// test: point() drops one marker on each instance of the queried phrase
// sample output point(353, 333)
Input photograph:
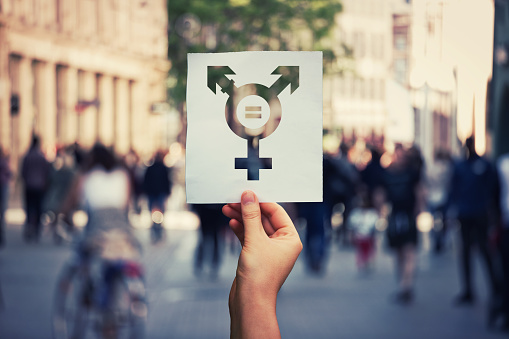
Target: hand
point(270, 247)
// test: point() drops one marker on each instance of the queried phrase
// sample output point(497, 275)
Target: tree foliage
point(198, 26)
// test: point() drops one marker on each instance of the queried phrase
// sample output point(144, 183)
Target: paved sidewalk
point(341, 304)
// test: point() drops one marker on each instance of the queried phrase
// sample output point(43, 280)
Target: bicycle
point(101, 296)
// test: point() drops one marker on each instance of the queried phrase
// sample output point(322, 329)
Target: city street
point(341, 304)
point(393, 113)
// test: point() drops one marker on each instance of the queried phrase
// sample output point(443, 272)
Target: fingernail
point(247, 198)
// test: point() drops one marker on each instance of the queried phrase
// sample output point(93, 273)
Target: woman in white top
point(103, 189)
point(105, 269)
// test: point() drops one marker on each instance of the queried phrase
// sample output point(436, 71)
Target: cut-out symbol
point(253, 111)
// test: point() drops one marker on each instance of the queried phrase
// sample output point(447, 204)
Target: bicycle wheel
point(126, 314)
point(72, 305)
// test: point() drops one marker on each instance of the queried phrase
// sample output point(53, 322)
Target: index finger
point(277, 216)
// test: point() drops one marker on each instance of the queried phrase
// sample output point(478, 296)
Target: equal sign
point(253, 109)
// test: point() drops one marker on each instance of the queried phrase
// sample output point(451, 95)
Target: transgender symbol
point(253, 111)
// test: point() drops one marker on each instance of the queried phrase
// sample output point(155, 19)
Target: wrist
point(253, 318)
point(256, 293)
point(253, 313)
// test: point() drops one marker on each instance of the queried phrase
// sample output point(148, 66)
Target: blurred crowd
point(369, 192)
point(51, 189)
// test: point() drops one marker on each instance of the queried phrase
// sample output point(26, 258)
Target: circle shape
point(253, 111)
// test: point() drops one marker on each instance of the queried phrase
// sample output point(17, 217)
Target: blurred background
point(406, 84)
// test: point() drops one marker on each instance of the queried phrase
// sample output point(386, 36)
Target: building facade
point(418, 74)
point(432, 79)
point(450, 71)
point(354, 99)
point(82, 71)
point(499, 94)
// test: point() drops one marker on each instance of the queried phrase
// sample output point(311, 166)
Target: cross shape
point(253, 163)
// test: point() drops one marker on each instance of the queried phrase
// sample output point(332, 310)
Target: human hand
point(270, 247)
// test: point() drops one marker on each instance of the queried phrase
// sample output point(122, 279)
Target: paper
point(254, 121)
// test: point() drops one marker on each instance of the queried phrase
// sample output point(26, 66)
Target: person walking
point(62, 177)
point(315, 237)
point(402, 190)
point(157, 187)
point(212, 224)
point(473, 188)
point(5, 176)
point(35, 172)
point(503, 241)
point(136, 172)
point(372, 175)
point(438, 182)
point(340, 182)
point(362, 223)
point(503, 245)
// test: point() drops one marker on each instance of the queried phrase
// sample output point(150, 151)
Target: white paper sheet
point(256, 97)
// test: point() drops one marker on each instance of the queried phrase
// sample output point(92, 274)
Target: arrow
point(289, 76)
point(217, 75)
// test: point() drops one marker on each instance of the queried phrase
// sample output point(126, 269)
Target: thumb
point(251, 215)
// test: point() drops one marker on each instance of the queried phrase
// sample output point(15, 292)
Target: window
point(359, 44)
point(349, 86)
point(400, 42)
point(377, 44)
point(362, 88)
point(357, 87)
point(81, 87)
point(14, 61)
point(381, 93)
point(341, 86)
point(400, 70)
point(371, 89)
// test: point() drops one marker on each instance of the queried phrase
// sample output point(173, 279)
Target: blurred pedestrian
point(315, 241)
point(503, 174)
point(372, 175)
point(35, 172)
point(472, 196)
point(212, 224)
point(362, 222)
point(415, 160)
point(132, 163)
point(157, 186)
point(402, 190)
point(103, 188)
point(438, 182)
point(79, 155)
point(5, 176)
point(340, 181)
point(62, 176)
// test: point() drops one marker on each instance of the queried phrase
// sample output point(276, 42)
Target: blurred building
point(355, 97)
point(499, 101)
point(450, 71)
point(432, 81)
point(82, 71)
point(401, 42)
point(400, 123)
point(419, 73)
